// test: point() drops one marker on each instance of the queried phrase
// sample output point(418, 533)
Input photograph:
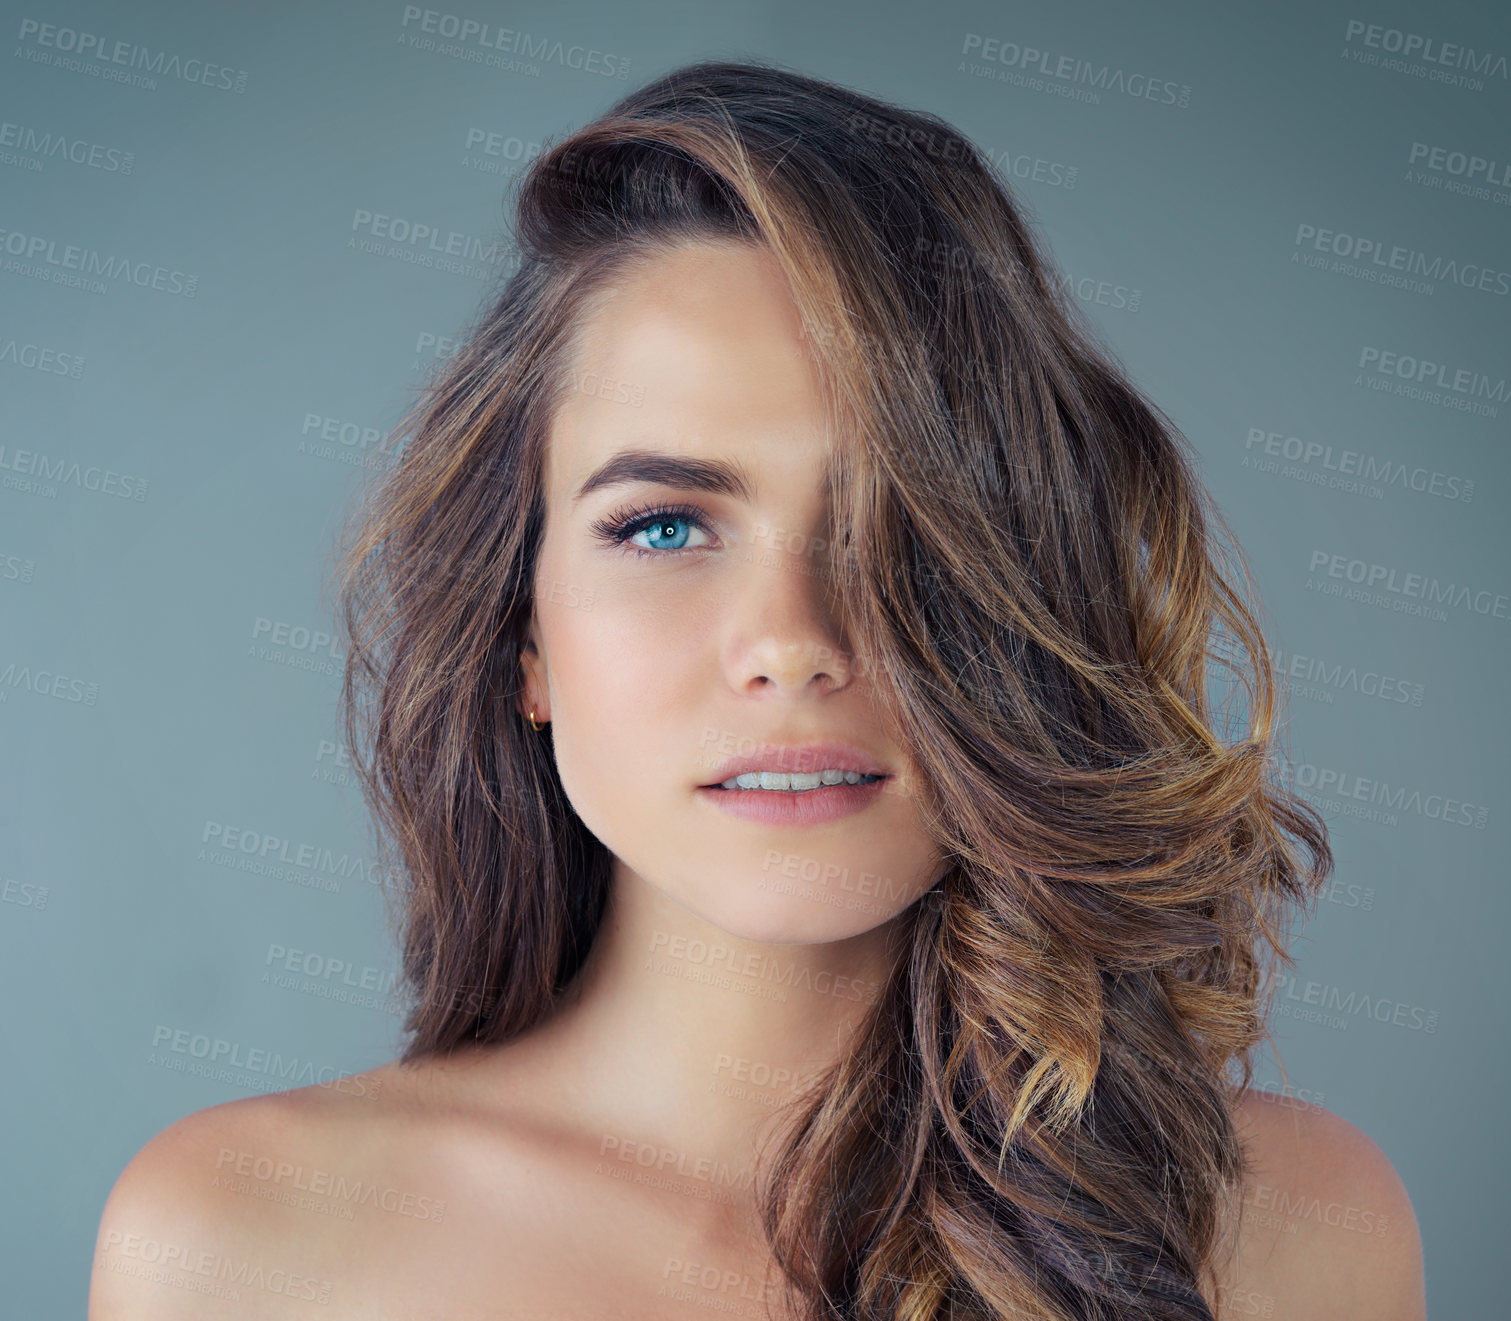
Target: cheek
point(623, 666)
point(624, 702)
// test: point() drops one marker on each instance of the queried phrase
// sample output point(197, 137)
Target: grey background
point(145, 706)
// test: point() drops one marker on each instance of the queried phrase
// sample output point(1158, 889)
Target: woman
point(779, 659)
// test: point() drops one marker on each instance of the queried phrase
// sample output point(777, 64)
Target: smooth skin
point(599, 1165)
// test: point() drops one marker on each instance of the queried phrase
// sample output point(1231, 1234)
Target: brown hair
point(1037, 1118)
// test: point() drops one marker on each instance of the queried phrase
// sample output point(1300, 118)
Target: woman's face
point(664, 646)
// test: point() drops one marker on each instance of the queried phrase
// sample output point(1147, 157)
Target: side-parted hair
point(1037, 1117)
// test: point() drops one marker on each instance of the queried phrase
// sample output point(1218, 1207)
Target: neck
point(679, 1042)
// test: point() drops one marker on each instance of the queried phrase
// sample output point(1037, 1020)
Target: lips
point(806, 758)
point(785, 811)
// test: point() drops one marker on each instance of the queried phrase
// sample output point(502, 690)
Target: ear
point(533, 687)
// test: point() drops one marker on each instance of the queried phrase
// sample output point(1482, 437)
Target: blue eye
point(662, 523)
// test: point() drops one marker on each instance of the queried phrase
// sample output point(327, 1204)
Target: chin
point(769, 917)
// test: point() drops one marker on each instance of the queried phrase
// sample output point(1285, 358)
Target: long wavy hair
point(1037, 1117)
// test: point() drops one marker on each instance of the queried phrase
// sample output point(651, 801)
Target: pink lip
point(807, 758)
point(810, 807)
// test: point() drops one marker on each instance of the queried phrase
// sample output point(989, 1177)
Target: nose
point(788, 637)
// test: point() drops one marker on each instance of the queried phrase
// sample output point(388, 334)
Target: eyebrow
point(718, 476)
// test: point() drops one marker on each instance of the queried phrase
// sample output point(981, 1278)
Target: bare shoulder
point(245, 1208)
point(1326, 1228)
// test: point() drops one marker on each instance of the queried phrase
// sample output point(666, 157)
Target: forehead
point(699, 352)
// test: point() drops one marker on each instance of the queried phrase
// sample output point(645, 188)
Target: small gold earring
point(533, 725)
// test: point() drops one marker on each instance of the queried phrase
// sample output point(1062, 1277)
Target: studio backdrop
point(234, 240)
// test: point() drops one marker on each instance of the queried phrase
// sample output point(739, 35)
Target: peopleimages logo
point(1302, 673)
point(41, 257)
point(693, 953)
point(1386, 578)
point(421, 243)
point(1069, 70)
point(1355, 463)
point(327, 1184)
point(476, 40)
point(449, 243)
point(278, 854)
point(1375, 258)
point(180, 1049)
point(174, 1264)
point(1461, 164)
point(45, 145)
point(1429, 50)
point(1293, 994)
point(88, 52)
point(70, 472)
point(41, 358)
point(1387, 803)
point(1459, 388)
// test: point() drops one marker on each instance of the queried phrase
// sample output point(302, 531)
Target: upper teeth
point(794, 780)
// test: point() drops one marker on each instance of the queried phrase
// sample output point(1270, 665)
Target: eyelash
point(617, 529)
